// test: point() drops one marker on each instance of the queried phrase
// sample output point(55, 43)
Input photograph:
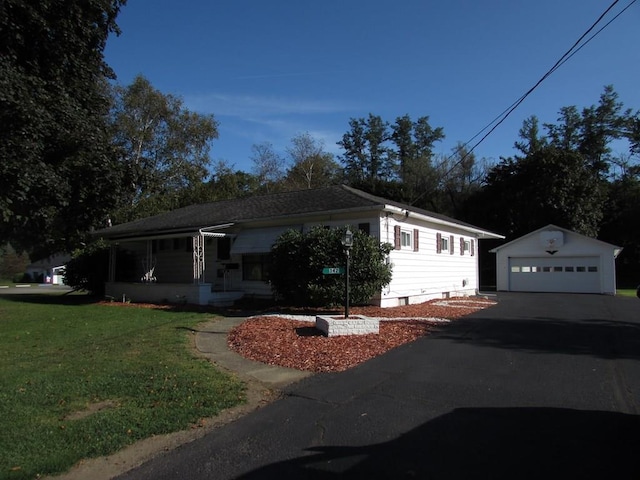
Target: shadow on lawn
point(66, 298)
point(244, 308)
point(496, 443)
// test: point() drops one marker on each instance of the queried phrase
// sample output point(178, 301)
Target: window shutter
point(396, 237)
point(472, 248)
point(438, 243)
point(416, 240)
point(451, 249)
point(461, 245)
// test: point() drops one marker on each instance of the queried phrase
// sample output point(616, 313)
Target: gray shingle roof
point(193, 217)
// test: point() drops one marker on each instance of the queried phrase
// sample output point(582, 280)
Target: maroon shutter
point(472, 249)
point(438, 243)
point(396, 237)
point(461, 245)
point(451, 249)
point(416, 240)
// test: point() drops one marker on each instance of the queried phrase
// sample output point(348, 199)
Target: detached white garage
point(554, 259)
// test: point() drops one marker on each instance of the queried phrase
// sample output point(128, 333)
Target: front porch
point(172, 268)
point(171, 293)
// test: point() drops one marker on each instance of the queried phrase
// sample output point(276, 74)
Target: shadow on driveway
point(487, 443)
point(597, 325)
point(600, 338)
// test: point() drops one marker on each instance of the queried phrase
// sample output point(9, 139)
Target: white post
point(198, 259)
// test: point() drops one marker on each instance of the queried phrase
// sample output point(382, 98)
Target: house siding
point(427, 273)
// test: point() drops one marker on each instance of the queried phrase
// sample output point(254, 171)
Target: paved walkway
point(211, 342)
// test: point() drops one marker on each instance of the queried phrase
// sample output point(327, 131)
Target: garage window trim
point(553, 269)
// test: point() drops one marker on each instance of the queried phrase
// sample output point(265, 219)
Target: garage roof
point(616, 249)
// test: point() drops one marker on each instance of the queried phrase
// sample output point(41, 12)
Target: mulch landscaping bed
point(297, 344)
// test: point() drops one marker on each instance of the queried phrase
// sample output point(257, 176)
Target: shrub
point(298, 259)
point(88, 268)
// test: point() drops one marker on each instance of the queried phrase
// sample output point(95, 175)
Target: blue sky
point(271, 70)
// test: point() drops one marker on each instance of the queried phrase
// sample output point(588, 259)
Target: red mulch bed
point(297, 344)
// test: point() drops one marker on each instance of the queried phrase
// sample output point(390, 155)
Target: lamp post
point(347, 242)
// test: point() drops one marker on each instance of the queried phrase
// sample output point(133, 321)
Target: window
point(444, 244)
point(224, 248)
point(255, 267)
point(365, 227)
point(592, 269)
point(466, 246)
point(581, 269)
point(405, 239)
point(515, 269)
point(568, 269)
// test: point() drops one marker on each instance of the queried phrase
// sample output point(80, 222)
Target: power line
point(497, 121)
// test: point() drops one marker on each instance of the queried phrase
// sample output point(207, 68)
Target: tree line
point(80, 151)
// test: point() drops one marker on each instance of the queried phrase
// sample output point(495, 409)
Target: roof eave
point(481, 233)
point(165, 233)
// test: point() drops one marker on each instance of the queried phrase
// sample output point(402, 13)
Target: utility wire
point(497, 121)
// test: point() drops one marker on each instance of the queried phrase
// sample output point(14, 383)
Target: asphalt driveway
point(538, 386)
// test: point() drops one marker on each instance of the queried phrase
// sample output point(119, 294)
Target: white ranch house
point(218, 252)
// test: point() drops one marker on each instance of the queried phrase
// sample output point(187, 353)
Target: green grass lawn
point(626, 292)
point(61, 354)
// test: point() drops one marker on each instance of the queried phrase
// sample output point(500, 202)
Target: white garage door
point(550, 274)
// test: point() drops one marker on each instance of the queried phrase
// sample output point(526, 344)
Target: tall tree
point(228, 183)
point(515, 201)
point(367, 157)
point(268, 166)
point(414, 154)
point(163, 147)
point(620, 225)
point(460, 176)
point(531, 139)
point(591, 131)
point(311, 166)
point(58, 178)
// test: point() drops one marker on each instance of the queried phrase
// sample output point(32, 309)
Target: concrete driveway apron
point(538, 386)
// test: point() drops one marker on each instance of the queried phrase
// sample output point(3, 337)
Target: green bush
point(23, 278)
point(88, 268)
point(12, 263)
point(298, 259)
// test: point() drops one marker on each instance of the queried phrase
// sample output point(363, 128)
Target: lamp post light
point(347, 242)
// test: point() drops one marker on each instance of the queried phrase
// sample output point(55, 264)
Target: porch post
point(112, 262)
point(198, 259)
